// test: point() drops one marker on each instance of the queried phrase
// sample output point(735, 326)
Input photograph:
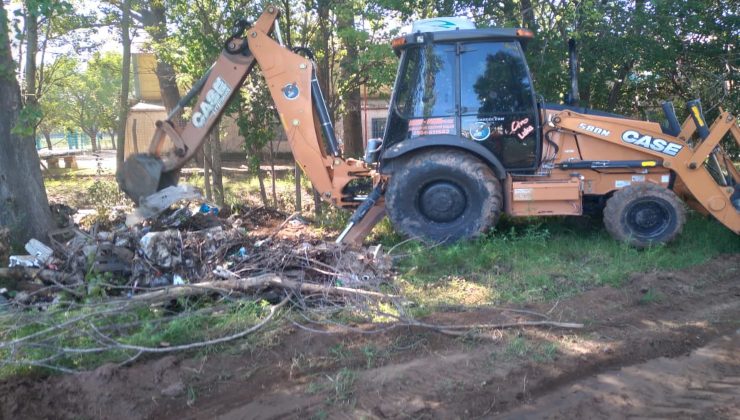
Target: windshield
point(426, 87)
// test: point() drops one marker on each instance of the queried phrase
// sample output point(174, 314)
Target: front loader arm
point(289, 78)
point(686, 161)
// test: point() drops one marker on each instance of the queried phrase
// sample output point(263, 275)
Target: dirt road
point(663, 345)
point(703, 385)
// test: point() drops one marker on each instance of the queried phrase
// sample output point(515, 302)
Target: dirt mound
point(646, 331)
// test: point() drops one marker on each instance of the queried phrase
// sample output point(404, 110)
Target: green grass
point(545, 259)
point(145, 326)
point(338, 387)
point(522, 348)
point(649, 297)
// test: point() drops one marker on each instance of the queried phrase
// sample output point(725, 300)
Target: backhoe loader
point(466, 139)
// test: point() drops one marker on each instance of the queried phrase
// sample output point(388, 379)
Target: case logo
point(215, 100)
point(651, 143)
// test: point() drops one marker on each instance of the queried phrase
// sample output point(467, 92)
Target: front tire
point(644, 215)
point(443, 195)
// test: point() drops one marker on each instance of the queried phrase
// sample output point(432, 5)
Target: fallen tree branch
point(118, 345)
point(251, 283)
point(501, 325)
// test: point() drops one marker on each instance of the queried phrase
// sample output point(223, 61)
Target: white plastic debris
point(23, 261)
point(40, 251)
point(177, 280)
point(161, 201)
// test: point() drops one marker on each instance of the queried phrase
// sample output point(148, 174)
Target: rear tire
point(644, 214)
point(443, 196)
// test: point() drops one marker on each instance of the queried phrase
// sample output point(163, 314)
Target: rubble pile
point(188, 243)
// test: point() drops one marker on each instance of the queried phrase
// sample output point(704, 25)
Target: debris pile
point(181, 240)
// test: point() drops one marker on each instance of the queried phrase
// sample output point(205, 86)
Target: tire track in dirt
point(704, 384)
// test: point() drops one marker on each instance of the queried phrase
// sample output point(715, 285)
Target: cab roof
point(485, 34)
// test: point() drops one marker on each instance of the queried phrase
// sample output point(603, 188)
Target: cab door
point(497, 102)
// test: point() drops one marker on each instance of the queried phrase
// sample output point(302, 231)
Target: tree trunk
point(168, 89)
point(272, 173)
point(207, 168)
point(298, 193)
point(125, 79)
point(617, 87)
point(93, 134)
point(527, 11)
point(31, 22)
point(47, 136)
point(352, 125)
point(218, 180)
point(24, 207)
point(317, 203)
point(324, 67)
point(154, 19)
point(574, 97)
point(263, 190)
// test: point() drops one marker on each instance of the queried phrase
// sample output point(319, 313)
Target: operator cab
point(459, 83)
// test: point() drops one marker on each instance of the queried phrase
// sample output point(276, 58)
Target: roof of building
point(145, 107)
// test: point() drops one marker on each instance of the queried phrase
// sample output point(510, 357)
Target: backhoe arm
point(298, 100)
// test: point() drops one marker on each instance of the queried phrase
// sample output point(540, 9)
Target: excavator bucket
point(140, 176)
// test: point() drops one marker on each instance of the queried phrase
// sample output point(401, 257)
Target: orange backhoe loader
point(466, 138)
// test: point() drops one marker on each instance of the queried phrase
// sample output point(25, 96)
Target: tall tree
point(24, 207)
point(352, 122)
point(153, 16)
point(93, 93)
point(125, 81)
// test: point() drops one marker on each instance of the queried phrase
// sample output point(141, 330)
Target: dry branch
point(141, 349)
point(236, 283)
point(47, 276)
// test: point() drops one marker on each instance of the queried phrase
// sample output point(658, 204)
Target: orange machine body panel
point(547, 197)
point(656, 157)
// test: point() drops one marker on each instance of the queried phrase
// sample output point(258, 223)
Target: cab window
point(494, 79)
point(427, 86)
point(497, 106)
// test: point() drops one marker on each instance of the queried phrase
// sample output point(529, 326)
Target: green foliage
point(28, 118)
point(553, 259)
point(81, 98)
point(256, 118)
point(55, 95)
point(104, 194)
point(92, 95)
